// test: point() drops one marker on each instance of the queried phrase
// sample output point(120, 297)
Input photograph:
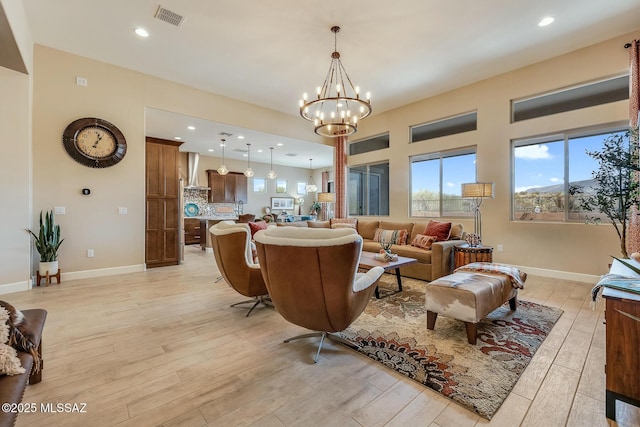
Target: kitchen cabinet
point(229, 188)
point(192, 231)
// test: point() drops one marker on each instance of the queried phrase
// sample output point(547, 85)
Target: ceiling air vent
point(291, 154)
point(169, 17)
point(240, 150)
point(226, 134)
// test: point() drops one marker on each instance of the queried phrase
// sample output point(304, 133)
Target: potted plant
point(616, 182)
point(314, 209)
point(47, 243)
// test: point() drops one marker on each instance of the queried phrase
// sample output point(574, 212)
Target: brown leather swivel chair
point(232, 252)
point(312, 278)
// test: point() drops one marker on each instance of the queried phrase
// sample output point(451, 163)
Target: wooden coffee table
point(367, 261)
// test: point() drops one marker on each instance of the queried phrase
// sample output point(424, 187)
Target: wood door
point(162, 241)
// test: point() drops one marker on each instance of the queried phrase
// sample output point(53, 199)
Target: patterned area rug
point(393, 331)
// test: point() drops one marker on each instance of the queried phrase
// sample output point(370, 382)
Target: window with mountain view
point(551, 176)
point(436, 180)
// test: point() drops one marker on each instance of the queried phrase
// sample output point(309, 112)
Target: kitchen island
point(207, 222)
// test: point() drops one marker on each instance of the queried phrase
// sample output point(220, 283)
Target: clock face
point(94, 142)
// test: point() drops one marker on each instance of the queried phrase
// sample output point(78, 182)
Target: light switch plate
point(59, 210)
point(122, 211)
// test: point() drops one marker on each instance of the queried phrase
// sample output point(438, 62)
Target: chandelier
point(338, 106)
point(311, 185)
point(222, 170)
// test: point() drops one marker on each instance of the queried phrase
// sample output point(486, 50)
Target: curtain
point(633, 234)
point(340, 178)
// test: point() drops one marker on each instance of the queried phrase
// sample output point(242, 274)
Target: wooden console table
point(622, 369)
point(465, 254)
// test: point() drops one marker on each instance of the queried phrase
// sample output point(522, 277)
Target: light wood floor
point(163, 347)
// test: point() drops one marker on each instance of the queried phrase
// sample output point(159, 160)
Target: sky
point(456, 171)
point(542, 165)
point(537, 165)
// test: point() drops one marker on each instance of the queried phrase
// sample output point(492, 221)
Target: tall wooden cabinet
point(622, 368)
point(229, 188)
point(162, 241)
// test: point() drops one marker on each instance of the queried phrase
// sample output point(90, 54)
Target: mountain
point(588, 187)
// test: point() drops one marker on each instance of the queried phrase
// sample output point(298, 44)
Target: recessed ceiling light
point(191, 127)
point(210, 150)
point(142, 32)
point(240, 137)
point(245, 155)
point(546, 21)
point(279, 144)
point(259, 151)
point(177, 137)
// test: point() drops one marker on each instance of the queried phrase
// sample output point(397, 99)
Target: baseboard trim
point(557, 274)
point(10, 288)
point(111, 271)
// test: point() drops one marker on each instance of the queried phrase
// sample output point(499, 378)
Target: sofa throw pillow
point(439, 229)
point(257, 226)
point(423, 241)
point(343, 222)
point(395, 237)
point(20, 336)
point(9, 361)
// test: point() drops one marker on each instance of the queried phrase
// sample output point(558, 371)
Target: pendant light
point(272, 173)
point(249, 172)
point(311, 185)
point(222, 170)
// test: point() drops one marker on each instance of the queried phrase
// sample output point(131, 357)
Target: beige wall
point(119, 96)
point(15, 176)
point(563, 247)
point(15, 163)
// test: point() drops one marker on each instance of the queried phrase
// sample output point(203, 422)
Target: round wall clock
point(94, 142)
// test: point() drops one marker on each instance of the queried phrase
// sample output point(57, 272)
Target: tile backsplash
point(220, 210)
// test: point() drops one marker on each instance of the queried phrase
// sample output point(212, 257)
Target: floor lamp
point(325, 200)
point(477, 191)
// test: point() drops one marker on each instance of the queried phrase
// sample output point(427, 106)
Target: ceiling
point(269, 52)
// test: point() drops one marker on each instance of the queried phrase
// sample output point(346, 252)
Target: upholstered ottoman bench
point(471, 292)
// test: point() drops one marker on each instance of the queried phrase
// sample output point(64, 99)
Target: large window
point(553, 173)
point(436, 180)
point(368, 189)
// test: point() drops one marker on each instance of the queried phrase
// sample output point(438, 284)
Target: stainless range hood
point(194, 159)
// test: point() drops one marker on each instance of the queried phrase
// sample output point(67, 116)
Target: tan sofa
point(432, 264)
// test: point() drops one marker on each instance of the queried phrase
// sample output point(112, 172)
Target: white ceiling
point(269, 52)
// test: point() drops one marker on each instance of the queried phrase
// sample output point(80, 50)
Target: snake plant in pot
point(47, 243)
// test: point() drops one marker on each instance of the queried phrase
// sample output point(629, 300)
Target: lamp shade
point(326, 197)
point(477, 189)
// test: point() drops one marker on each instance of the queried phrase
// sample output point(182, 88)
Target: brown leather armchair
point(232, 252)
point(312, 278)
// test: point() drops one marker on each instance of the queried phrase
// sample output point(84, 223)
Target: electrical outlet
point(500, 248)
point(122, 211)
point(59, 210)
point(81, 81)
point(89, 253)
